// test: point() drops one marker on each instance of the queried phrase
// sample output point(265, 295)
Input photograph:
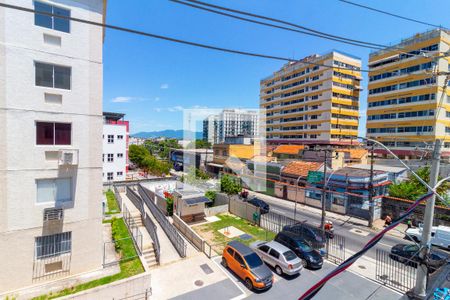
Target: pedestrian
point(409, 223)
point(387, 220)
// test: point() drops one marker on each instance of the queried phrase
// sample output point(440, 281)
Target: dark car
point(263, 206)
point(310, 257)
point(309, 233)
point(408, 254)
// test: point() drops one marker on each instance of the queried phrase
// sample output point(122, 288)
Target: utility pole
point(419, 291)
point(322, 222)
point(371, 190)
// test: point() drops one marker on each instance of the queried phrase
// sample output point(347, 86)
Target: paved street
point(346, 286)
point(356, 236)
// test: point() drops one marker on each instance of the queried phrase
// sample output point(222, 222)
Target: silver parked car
point(283, 259)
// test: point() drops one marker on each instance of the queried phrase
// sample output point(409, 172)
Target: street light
point(296, 192)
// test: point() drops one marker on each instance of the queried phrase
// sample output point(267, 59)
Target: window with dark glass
point(53, 76)
point(49, 133)
point(53, 245)
point(52, 22)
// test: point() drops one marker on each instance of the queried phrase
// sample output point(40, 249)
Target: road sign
point(315, 176)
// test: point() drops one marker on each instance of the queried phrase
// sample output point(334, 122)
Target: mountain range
point(174, 134)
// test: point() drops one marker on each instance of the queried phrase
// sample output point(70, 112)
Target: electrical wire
point(320, 35)
point(348, 262)
point(313, 32)
point(392, 14)
point(175, 40)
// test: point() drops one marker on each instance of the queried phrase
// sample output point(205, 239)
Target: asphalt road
point(356, 236)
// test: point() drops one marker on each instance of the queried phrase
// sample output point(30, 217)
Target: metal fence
point(394, 271)
point(168, 228)
point(110, 256)
point(145, 295)
point(118, 197)
point(133, 229)
point(151, 228)
point(334, 247)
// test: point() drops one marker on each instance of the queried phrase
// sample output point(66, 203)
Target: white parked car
point(280, 257)
point(440, 235)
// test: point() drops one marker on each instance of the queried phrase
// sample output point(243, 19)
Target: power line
point(320, 35)
point(312, 32)
point(391, 14)
point(175, 40)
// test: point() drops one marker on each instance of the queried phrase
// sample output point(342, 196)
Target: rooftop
point(288, 149)
point(356, 172)
point(354, 153)
point(381, 168)
point(113, 116)
point(301, 168)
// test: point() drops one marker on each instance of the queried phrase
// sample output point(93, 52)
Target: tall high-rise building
point(230, 123)
point(51, 78)
point(404, 94)
point(309, 103)
point(116, 131)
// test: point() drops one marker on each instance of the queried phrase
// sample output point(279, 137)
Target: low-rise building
point(288, 151)
point(347, 191)
point(115, 146)
point(185, 158)
point(228, 155)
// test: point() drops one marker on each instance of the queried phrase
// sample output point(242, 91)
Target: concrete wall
point(22, 162)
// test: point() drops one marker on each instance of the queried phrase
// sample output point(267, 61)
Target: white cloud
point(157, 99)
point(164, 86)
point(157, 109)
point(175, 108)
point(122, 99)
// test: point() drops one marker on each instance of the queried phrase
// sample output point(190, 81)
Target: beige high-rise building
point(51, 78)
point(404, 94)
point(306, 103)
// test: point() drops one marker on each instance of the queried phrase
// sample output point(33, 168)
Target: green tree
point(137, 154)
point(412, 188)
point(230, 185)
point(211, 195)
point(199, 144)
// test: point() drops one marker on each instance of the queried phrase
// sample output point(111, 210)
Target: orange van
point(247, 265)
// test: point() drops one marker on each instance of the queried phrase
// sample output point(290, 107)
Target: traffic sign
point(314, 176)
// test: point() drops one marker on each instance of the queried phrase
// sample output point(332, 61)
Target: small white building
point(115, 147)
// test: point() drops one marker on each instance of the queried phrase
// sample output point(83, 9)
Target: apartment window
point(110, 138)
point(103, 157)
point(51, 22)
point(54, 190)
point(49, 133)
point(110, 157)
point(119, 173)
point(313, 136)
point(52, 76)
point(109, 176)
point(120, 137)
point(53, 245)
point(119, 155)
point(447, 114)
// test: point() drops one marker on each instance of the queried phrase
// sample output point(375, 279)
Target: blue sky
point(151, 81)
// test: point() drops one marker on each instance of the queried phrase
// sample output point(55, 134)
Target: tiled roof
point(354, 153)
point(261, 158)
point(288, 149)
point(301, 168)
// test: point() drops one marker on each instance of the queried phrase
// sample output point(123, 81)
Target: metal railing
point(151, 228)
point(188, 232)
point(136, 200)
point(395, 271)
point(334, 247)
point(118, 197)
point(110, 247)
point(133, 229)
point(51, 267)
point(169, 229)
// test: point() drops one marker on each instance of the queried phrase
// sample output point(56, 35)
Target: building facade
point(115, 146)
point(230, 123)
point(404, 94)
point(50, 163)
point(305, 102)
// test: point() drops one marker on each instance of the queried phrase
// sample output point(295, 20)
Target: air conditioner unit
point(53, 214)
point(68, 157)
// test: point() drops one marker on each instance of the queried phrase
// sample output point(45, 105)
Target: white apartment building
point(115, 147)
point(230, 123)
point(51, 75)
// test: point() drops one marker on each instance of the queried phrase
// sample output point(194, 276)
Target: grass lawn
point(111, 203)
point(129, 266)
point(218, 240)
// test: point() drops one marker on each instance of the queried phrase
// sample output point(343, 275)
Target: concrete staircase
point(150, 256)
point(149, 251)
